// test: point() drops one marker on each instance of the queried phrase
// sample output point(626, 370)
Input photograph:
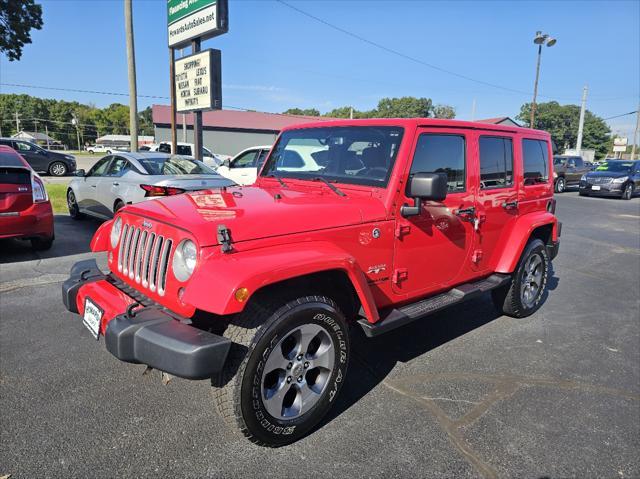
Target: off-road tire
point(628, 192)
point(41, 244)
point(255, 332)
point(560, 185)
point(58, 168)
point(508, 299)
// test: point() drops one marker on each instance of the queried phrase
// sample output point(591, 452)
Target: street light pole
point(540, 39)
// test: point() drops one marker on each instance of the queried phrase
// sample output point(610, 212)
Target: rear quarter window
point(535, 161)
point(10, 159)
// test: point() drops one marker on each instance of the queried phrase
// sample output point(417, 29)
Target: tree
point(302, 112)
point(444, 111)
point(17, 18)
point(405, 107)
point(561, 121)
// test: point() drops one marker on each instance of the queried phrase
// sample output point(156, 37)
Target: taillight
point(153, 190)
point(38, 191)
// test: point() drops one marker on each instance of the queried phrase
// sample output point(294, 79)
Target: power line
point(623, 114)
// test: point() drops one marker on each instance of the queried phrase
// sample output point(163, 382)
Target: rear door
point(112, 186)
point(38, 161)
point(536, 189)
point(497, 198)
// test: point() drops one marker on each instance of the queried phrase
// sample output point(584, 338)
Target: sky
point(275, 57)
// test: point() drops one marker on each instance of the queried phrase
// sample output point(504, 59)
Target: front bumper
point(150, 334)
point(606, 189)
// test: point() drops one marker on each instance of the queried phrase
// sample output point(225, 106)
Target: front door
point(497, 199)
point(39, 161)
point(432, 249)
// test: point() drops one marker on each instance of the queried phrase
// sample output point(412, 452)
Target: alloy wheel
point(297, 371)
point(58, 169)
point(531, 286)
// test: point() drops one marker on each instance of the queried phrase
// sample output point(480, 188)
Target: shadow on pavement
point(72, 237)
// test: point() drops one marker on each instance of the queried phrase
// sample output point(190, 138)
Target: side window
point(184, 150)
point(496, 162)
point(246, 160)
point(21, 146)
point(100, 167)
point(119, 166)
point(164, 148)
point(261, 157)
point(579, 163)
point(571, 163)
point(441, 154)
point(535, 161)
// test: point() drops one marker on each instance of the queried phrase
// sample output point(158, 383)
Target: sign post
point(195, 79)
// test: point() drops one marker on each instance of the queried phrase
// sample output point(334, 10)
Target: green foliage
point(58, 197)
point(561, 121)
point(302, 112)
point(405, 107)
point(17, 18)
point(35, 113)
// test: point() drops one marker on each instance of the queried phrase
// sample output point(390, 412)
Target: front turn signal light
point(241, 294)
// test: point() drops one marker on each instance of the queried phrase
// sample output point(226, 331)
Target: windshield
point(615, 166)
point(174, 165)
point(361, 155)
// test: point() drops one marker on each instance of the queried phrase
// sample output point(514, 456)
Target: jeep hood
point(254, 212)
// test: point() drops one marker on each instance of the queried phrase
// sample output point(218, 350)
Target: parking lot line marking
point(26, 282)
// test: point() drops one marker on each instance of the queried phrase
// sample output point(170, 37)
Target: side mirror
point(424, 187)
point(227, 163)
point(80, 173)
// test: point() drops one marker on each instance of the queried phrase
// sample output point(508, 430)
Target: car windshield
point(615, 166)
point(174, 165)
point(353, 154)
point(559, 160)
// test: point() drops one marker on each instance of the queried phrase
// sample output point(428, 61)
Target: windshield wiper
point(282, 183)
point(334, 188)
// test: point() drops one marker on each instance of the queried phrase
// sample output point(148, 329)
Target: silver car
point(124, 178)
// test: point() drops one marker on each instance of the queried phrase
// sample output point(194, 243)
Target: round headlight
point(184, 260)
point(116, 229)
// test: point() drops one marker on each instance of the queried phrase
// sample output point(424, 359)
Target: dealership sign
point(198, 82)
point(189, 19)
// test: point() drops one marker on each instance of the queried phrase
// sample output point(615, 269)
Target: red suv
point(25, 209)
point(367, 224)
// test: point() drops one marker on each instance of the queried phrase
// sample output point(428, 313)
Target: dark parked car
point(612, 178)
point(41, 160)
point(567, 171)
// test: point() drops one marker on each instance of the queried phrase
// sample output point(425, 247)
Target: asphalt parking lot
point(464, 393)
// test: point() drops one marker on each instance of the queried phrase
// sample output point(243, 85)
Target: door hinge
point(224, 238)
point(402, 230)
point(400, 275)
point(476, 257)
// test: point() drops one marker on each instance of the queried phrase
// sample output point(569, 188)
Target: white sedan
point(243, 168)
point(124, 178)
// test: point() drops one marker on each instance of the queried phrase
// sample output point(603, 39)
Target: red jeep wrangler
point(359, 223)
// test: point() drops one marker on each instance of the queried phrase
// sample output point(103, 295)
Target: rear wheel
point(560, 185)
point(627, 193)
point(41, 244)
point(524, 295)
point(58, 168)
point(286, 366)
point(72, 205)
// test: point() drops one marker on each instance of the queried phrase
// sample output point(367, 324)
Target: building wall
point(223, 142)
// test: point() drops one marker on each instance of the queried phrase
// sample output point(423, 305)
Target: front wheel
point(285, 369)
point(528, 285)
point(627, 193)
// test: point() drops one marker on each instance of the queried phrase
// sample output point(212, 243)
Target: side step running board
point(396, 317)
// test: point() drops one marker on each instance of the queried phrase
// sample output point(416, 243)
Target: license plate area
point(595, 188)
point(92, 317)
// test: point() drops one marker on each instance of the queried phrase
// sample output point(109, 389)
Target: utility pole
point(46, 130)
point(17, 122)
point(635, 134)
point(473, 110)
point(184, 128)
point(131, 63)
point(351, 113)
point(35, 122)
point(540, 39)
point(75, 123)
point(581, 123)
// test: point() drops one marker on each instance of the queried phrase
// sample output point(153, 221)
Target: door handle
point(115, 183)
point(464, 212)
point(510, 205)
point(93, 186)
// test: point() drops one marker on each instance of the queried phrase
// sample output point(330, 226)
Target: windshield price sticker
point(197, 82)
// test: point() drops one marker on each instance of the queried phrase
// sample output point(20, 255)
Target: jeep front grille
point(143, 256)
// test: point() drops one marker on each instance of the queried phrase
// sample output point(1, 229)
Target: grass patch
point(58, 197)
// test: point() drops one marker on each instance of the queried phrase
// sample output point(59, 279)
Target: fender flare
point(213, 285)
point(516, 240)
point(100, 240)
